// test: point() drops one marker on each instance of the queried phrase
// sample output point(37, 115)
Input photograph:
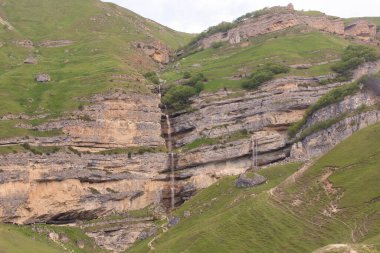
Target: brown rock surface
point(156, 50)
point(362, 29)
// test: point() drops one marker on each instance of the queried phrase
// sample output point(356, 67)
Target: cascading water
point(171, 157)
point(170, 152)
point(254, 144)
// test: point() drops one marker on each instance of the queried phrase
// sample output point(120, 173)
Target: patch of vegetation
point(177, 97)
point(40, 150)
point(14, 149)
point(217, 45)
point(332, 97)
point(94, 191)
point(134, 150)
point(264, 74)
point(243, 134)
point(34, 242)
point(152, 77)
point(353, 57)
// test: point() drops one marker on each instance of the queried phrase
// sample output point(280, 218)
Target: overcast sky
point(197, 15)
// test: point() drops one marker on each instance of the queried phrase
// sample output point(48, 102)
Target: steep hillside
point(332, 201)
point(105, 127)
point(87, 47)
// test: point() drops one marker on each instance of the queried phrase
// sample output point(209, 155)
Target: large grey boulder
point(43, 78)
point(245, 182)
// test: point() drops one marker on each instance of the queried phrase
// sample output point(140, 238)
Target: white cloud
point(197, 15)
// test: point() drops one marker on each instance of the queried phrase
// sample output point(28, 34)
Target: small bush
point(217, 45)
point(186, 75)
point(353, 57)
point(200, 77)
point(177, 97)
point(94, 191)
point(264, 74)
point(152, 77)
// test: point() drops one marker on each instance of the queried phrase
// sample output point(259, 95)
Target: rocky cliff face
point(69, 185)
point(268, 23)
point(263, 115)
point(358, 111)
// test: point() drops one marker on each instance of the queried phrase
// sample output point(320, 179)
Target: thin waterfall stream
point(170, 152)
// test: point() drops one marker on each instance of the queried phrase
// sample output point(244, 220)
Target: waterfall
point(170, 152)
point(171, 157)
point(254, 144)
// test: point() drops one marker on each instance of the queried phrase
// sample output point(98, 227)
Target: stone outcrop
point(43, 78)
point(244, 181)
point(119, 235)
point(55, 43)
point(362, 29)
point(25, 43)
point(156, 50)
point(31, 60)
point(283, 18)
point(6, 24)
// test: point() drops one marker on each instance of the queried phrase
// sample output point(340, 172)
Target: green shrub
point(177, 97)
point(217, 45)
point(186, 75)
point(353, 57)
point(276, 68)
point(200, 77)
point(264, 74)
point(152, 77)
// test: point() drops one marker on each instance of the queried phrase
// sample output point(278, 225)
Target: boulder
point(43, 78)
point(53, 236)
point(80, 244)
point(30, 60)
point(186, 214)
point(245, 182)
point(63, 238)
point(173, 221)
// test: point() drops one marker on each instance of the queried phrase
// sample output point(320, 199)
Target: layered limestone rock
point(322, 141)
point(353, 120)
point(119, 120)
point(68, 185)
point(263, 116)
point(64, 187)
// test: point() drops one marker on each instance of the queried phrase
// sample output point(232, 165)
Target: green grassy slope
point(288, 47)
point(22, 239)
point(103, 35)
point(298, 217)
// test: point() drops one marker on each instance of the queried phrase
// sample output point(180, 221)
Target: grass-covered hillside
point(102, 37)
point(335, 201)
point(290, 47)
